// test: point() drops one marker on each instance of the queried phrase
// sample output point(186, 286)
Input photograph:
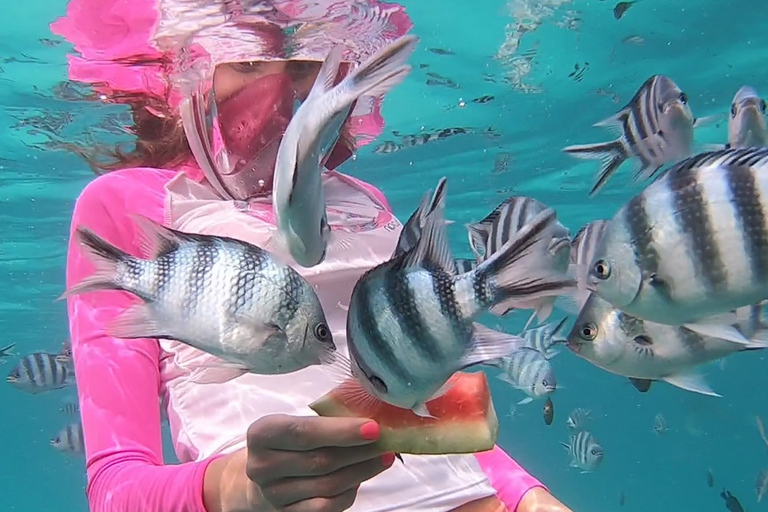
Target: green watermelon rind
point(443, 437)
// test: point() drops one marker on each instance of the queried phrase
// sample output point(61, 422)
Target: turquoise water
point(709, 48)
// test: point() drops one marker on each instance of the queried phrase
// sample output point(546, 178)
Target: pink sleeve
point(509, 479)
point(118, 381)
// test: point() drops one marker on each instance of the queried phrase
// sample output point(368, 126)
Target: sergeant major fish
point(39, 372)
point(410, 324)
point(297, 198)
point(70, 440)
point(223, 296)
point(529, 371)
point(747, 123)
point(546, 338)
point(656, 127)
point(585, 452)
point(645, 351)
point(508, 218)
point(583, 247)
point(692, 246)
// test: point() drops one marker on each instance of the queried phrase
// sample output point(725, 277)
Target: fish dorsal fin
point(157, 240)
point(415, 223)
point(479, 231)
point(431, 249)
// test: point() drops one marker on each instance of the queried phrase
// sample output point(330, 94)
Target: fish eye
point(588, 331)
point(378, 384)
point(683, 98)
point(762, 106)
point(602, 270)
point(595, 451)
point(733, 110)
point(322, 332)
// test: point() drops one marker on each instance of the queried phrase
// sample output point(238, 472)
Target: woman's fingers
point(296, 433)
point(271, 465)
point(343, 501)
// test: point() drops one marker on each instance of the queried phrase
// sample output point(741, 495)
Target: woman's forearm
point(226, 487)
point(538, 499)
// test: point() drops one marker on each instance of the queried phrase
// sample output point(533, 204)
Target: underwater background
point(519, 96)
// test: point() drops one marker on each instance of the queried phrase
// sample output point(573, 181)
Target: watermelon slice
point(464, 418)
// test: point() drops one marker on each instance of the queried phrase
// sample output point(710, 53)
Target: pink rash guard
point(119, 382)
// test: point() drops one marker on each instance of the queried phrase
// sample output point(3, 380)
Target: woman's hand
point(305, 464)
point(539, 499)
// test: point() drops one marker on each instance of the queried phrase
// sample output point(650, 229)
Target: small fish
point(437, 79)
point(70, 440)
point(40, 372)
point(223, 296)
point(761, 484)
point(440, 51)
point(645, 351)
point(297, 198)
point(583, 247)
point(614, 96)
point(659, 424)
point(483, 99)
point(731, 503)
point(621, 8)
point(747, 123)
point(656, 127)
point(487, 236)
point(549, 411)
point(527, 369)
point(636, 40)
point(585, 452)
point(65, 354)
point(546, 338)
point(70, 408)
point(691, 246)
point(578, 419)
point(410, 324)
point(710, 478)
point(388, 147)
point(501, 163)
point(6, 353)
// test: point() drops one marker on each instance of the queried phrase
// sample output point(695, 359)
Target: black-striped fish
point(70, 440)
point(546, 338)
point(585, 452)
point(39, 372)
point(583, 248)
point(528, 370)
point(692, 246)
point(410, 324)
point(656, 127)
point(65, 355)
point(223, 296)
point(646, 351)
point(747, 123)
point(70, 408)
point(503, 223)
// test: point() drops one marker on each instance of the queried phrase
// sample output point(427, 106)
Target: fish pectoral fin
point(210, 374)
point(718, 326)
point(525, 400)
point(690, 381)
point(706, 148)
point(758, 340)
point(506, 378)
point(642, 385)
point(135, 322)
point(700, 122)
point(488, 344)
point(443, 390)
point(271, 334)
point(422, 411)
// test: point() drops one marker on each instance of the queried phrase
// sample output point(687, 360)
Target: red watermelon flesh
point(464, 418)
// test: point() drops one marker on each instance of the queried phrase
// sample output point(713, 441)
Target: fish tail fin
point(105, 257)
point(611, 155)
point(516, 271)
point(383, 70)
point(759, 340)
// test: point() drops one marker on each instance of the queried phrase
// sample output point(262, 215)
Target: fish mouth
point(11, 379)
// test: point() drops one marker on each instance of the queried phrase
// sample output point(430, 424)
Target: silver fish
point(692, 246)
point(578, 419)
point(656, 127)
point(70, 440)
point(528, 370)
point(39, 372)
point(410, 324)
point(70, 408)
point(583, 247)
point(65, 355)
point(223, 296)
point(508, 218)
point(747, 123)
point(660, 424)
point(585, 452)
point(6, 353)
point(645, 351)
point(546, 338)
point(298, 199)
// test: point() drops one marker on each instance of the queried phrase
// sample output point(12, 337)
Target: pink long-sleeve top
point(119, 381)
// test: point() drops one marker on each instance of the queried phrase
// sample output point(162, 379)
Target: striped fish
point(645, 351)
point(584, 450)
point(546, 338)
point(223, 296)
point(693, 245)
point(656, 127)
point(70, 408)
point(747, 124)
point(583, 248)
point(65, 355)
point(70, 440)
point(410, 324)
point(39, 372)
point(490, 234)
point(528, 370)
